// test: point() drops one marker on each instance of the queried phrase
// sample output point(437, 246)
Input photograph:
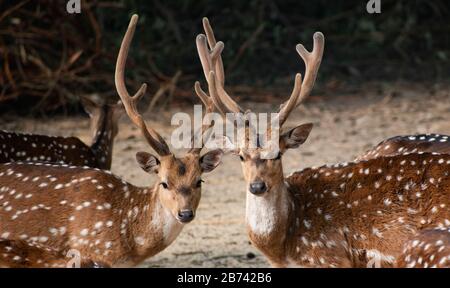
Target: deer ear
point(148, 162)
point(211, 160)
point(90, 106)
point(296, 136)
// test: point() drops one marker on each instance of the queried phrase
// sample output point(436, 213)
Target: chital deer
point(429, 249)
point(400, 145)
point(345, 215)
point(57, 209)
point(67, 150)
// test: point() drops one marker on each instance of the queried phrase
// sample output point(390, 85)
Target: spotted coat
point(401, 145)
point(354, 214)
point(66, 150)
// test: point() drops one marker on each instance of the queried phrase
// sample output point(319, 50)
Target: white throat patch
point(263, 212)
point(165, 222)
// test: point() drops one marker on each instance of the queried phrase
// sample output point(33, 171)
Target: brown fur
point(428, 249)
point(66, 150)
point(106, 219)
point(332, 222)
point(400, 145)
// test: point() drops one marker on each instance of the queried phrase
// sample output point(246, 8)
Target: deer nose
point(258, 187)
point(185, 216)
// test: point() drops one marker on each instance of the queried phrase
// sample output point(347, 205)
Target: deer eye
point(242, 158)
point(164, 185)
point(199, 183)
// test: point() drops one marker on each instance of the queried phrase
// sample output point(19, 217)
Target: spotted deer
point(108, 221)
point(398, 145)
point(345, 215)
point(68, 150)
point(429, 249)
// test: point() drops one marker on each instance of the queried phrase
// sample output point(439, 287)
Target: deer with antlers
point(108, 221)
point(68, 150)
point(344, 215)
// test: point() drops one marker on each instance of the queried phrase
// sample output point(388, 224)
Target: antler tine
point(312, 63)
point(207, 60)
point(130, 102)
point(224, 97)
point(209, 104)
point(220, 74)
point(292, 102)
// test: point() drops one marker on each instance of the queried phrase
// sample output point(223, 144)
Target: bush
point(49, 57)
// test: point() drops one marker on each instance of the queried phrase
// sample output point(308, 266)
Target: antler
point(302, 90)
point(209, 59)
point(216, 65)
point(130, 102)
point(291, 103)
point(210, 106)
point(212, 64)
point(312, 63)
point(224, 102)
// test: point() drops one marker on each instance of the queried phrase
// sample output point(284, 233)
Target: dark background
point(48, 58)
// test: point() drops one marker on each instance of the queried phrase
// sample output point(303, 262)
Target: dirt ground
point(345, 126)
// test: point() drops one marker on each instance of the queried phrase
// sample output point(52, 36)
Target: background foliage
point(49, 58)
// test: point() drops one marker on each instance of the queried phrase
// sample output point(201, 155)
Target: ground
point(345, 125)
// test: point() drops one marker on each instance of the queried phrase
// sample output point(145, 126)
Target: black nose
point(185, 215)
point(258, 187)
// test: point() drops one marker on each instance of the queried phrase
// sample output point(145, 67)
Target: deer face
point(261, 174)
point(180, 179)
point(103, 117)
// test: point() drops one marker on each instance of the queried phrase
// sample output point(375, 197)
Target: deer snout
point(258, 187)
point(185, 216)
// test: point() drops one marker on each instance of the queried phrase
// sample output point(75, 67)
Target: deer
point(48, 211)
point(430, 249)
point(16, 146)
point(397, 145)
point(359, 214)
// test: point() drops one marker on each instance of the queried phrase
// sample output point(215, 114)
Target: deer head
point(104, 127)
point(261, 172)
point(107, 114)
point(180, 177)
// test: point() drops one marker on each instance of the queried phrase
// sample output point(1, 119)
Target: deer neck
point(152, 231)
point(268, 219)
point(103, 140)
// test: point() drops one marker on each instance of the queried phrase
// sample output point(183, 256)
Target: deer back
point(16, 147)
point(374, 205)
point(400, 145)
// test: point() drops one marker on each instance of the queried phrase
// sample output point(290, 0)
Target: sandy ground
point(345, 126)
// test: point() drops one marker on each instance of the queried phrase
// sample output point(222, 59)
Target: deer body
point(346, 216)
point(42, 148)
point(106, 219)
point(429, 249)
point(409, 144)
point(48, 212)
point(67, 150)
